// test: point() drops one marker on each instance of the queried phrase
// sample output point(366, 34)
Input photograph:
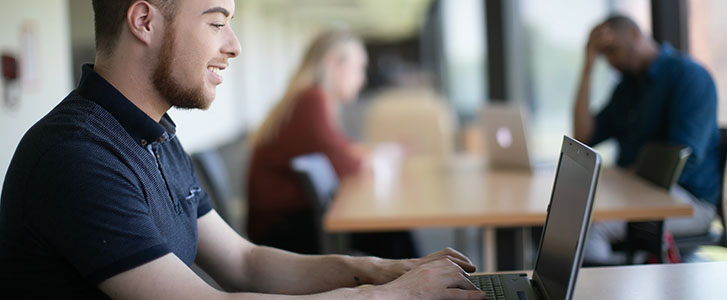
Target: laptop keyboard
point(491, 285)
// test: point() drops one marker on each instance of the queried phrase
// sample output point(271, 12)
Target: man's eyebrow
point(217, 9)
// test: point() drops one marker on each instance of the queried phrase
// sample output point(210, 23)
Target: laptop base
point(506, 286)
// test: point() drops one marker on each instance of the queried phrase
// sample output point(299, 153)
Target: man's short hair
point(621, 24)
point(110, 15)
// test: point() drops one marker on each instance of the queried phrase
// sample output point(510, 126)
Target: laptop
point(561, 244)
point(506, 137)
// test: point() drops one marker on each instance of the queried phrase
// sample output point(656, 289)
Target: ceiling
point(372, 19)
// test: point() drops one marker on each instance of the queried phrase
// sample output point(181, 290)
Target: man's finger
point(461, 282)
point(459, 255)
point(467, 266)
point(459, 294)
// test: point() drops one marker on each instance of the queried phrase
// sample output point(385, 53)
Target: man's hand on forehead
point(604, 38)
point(601, 38)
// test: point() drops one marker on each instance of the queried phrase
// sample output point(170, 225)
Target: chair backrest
point(213, 175)
point(318, 177)
point(419, 119)
point(236, 155)
point(661, 163)
point(320, 182)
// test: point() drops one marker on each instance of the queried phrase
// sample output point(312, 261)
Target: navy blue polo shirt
point(675, 102)
point(95, 188)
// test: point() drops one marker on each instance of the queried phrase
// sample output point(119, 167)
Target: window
point(708, 44)
point(465, 53)
point(550, 42)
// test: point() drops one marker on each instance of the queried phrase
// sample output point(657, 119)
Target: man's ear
point(139, 19)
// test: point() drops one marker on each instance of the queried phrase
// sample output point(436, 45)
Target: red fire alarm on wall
point(10, 67)
point(10, 82)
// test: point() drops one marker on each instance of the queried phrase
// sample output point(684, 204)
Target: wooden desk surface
point(702, 281)
point(424, 193)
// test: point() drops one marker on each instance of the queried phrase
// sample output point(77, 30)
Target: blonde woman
point(305, 120)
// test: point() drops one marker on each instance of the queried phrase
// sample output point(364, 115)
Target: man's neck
point(649, 52)
point(134, 83)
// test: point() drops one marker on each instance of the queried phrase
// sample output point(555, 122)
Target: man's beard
point(175, 93)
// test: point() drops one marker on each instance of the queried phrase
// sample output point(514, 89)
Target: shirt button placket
point(175, 204)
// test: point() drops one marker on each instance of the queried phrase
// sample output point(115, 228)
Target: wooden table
point(702, 281)
point(463, 192)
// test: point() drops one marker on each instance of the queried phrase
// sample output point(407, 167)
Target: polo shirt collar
point(143, 129)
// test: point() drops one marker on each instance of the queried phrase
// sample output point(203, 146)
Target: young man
point(663, 96)
point(101, 199)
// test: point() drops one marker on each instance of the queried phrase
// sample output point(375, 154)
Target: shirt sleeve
point(693, 114)
point(205, 204)
point(603, 128)
point(93, 211)
point(324, 137)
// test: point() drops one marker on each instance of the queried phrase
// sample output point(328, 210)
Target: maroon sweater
point(273, 189)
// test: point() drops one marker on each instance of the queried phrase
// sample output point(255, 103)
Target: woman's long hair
point(312, 71)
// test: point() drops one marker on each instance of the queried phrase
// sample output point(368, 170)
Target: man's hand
point(441, 278)
point(393, 269)
point(599, 42)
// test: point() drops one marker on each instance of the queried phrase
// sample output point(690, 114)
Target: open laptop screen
point(568, 219)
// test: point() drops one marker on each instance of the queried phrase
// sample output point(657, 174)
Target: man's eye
point(218, 26)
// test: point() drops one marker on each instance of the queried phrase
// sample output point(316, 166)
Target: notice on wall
point(29, 63)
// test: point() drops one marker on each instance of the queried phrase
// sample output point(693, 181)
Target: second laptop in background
point(506, 137)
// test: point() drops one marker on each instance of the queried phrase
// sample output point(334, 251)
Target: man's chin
point(202, 104)
point(207, 101)
point(206, 105)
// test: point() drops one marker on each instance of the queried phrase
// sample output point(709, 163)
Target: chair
point(236, 155)
point(722, 209)
point(661, 164)
point(417, 118)
point(222, 171)
point(218, 170)
point(690, 243)
point(212, 172)
point(722, 206)
point(320, 182)
point(648, 235)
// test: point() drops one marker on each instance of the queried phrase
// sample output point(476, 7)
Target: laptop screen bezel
point(591, 161)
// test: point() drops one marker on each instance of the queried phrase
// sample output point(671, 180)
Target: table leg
point(460, 238)
point(527, 248)
point(489, 249)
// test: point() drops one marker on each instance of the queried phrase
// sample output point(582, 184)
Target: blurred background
point(466, 52)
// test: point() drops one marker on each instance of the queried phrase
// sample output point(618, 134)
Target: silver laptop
point(561, 245)
point(506, 136)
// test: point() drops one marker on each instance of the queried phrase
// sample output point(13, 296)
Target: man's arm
point(583, 119)
point(240, 265)
point(169, 278)
point(692, 115)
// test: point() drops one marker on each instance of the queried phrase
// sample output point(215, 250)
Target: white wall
point(52, 59)
point(272, 45)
